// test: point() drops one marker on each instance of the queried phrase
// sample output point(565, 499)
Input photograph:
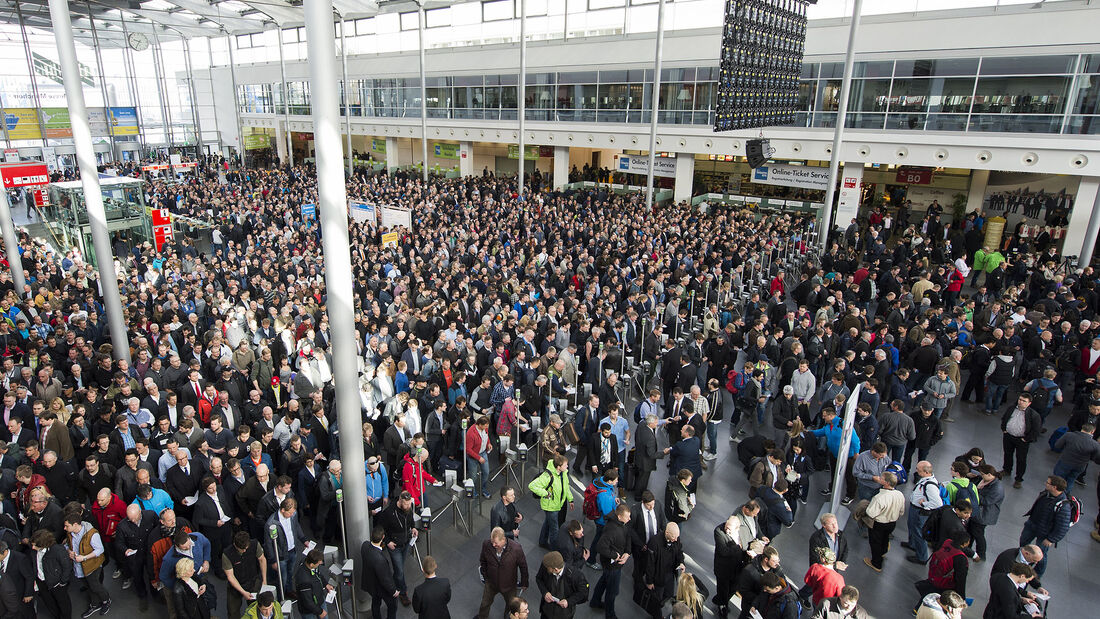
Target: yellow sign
point(390, 239)
point(22, 123)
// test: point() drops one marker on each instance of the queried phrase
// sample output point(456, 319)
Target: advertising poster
point(256, 141)
point(1034, 199)
point(124, 120)
point(530, 153)
point(56, 120)
point(362, 211)
point(446, 151)
point(377, 145)
point(21, 123)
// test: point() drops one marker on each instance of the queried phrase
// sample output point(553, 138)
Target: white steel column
point(236, 98)
point(656, 103)
point(465, 159)
point(11, 243)
point(521, 94)
point(1087, 204)
point(89, 176)
point(286, 101)
point(423, 90)
point(347, 98)
point(30, 72)
point(841, 118)
point(975, 196)
point(333, 211)
point(561, 166)
point(685, 177)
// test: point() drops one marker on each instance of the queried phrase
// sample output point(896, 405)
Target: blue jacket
point(833, 434)
point(156, 503)
point(200, 553)
point(685, 455)
point(378, 486)
point(1048, 520)
point(605, 499)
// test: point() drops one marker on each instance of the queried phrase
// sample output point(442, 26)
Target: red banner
point(915, 176)
point(25, 174)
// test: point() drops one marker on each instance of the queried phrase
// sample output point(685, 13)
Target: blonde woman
point(187, 593)
point(688, 592)
point(383, 381)
point(62, 410)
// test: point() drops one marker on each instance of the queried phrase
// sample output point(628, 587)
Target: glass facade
point(1042, 94)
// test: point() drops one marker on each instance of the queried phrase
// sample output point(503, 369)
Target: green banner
point(446, 151)
point(378, 146)
point(530, 153)
point(257, 141)
point(56, 120)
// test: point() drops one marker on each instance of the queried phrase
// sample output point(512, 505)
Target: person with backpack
point(1045, 393)
point(947, 570)
point(1020, 427)
point(777, 600)
point(947, 522)
point(600, 499)
point(555, 498)
point(961, 486)
point(1049, 519)
point(998, 376)
point(927, 497)
point(1078, 449)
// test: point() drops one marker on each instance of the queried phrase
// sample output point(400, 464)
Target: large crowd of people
point(611, 338)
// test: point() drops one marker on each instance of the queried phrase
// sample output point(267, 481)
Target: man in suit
point(376, 577)
point(586, 423)
point(645, 454)
point(213, 516)
point(289, 544)
point(566, 586)
point(678, 408)
point(16, 434)
point(191, 392)
point(603, 450)
point(14, 408)
point(431, 597)
point(16, 584)
point(645, 522)
point(182, 482)
point(1029, 555)
point(56, 439)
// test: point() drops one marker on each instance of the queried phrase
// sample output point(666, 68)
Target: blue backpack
point(1054, 436)
point(897, 469)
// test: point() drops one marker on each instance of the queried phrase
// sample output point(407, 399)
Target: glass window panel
point(1021, 95)
point(832, 69)
point(595, 5)
point(509, 79)
point(496, 10)
point(676, 75)
point(704, 96)
point(607, 77)
point(567, 97)
point(1088, 95)
point(869, 95)
point(577, 77)
point(906, 122)
point(806, 90)
point(809, 69)
point(876, 68)
point(1090, 63)
point(1015, 123)
point(1022, 65)
point(1084, 125)
point(508, 97)
point(588, 97)
point(435, 18)
point(613, 96)
point(469, 80)
point(929, 68)
point(946, 122)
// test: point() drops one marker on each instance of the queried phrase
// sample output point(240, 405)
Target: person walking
point(881, 516)
point(947, 570)
point(88, 555)
point(562, 587)
point(1078, 449)
point(431, 597)
point(555, 498)
point(1048, 519)
point(613, 552)
point(1020, 427)
point(925, 498)
point(992, 494)
point(376, 577)
point(503, 569)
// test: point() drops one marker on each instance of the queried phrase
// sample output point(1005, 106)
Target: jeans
point(994, 396)
point(1028, 535)
point(479, 471)
point(287, 563)
point(915, 522)
point(548, 532)
point(607, 589)
point(712, 438)
point(1069, 474)
point(397, 559)
point(897, 452)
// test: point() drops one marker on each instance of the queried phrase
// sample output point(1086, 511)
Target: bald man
point(130, 540)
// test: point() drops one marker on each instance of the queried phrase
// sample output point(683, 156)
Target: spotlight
point(761, 63)
point(758, 152)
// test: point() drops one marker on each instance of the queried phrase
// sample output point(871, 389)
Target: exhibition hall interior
point(754, 309)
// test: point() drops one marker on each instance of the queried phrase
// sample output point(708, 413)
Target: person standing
point(53, 572)
point(947, 570)
point(991, 493)
point(563, 588)
point(822, 579)
point(1078, 449)
point(88, 555)
point(505, 515)
point(1020, 427)
point(397, 521)
point(729, 558)
point(1048, 519)
point(664, 557)
point(311, 586)
point(645, 454)
point(613, 551)
point(431, 597)
point(503, 568)
point(1005, 601)
point(376, 577)
point(555, 498)
point(881, 517)
point(245, 571)
point(16, 583)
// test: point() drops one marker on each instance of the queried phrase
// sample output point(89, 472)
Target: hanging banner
point(56, 120)
point(49, 155)
point(378, 146)
point(639, 164)
point(22, 123)
point(530, 153)
point(124, 120)
point(803, 177)
point(445, 151)
point(362, 211)
point(847, 207)
point(256, 141)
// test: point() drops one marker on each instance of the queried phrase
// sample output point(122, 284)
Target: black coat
point(594, 443)
point(16, 583)
point(376, 576)
point(729, 557)
point(430, 598)
point(188, 605)
point(645, 449)
point(636, 526)
point(571, 548)
point(818, 540)
point(1004, 599)
point(57, 567)
point(310, 588)
point(571, 586)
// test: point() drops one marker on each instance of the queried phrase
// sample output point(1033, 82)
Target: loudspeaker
point(757, 152)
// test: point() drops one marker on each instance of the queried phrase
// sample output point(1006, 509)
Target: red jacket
point(825, 582)
point(410, 478)
point(777, 284)
point(1086, 369)
point(23, 493)
point(955, 283)
point(108, 518)
point(473, 442)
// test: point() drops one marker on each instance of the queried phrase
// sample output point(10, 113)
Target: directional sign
point(24, 174)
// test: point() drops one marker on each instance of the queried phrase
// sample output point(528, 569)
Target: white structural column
point(333, 210)
point(655, 107)
point(979, 180)
point(561, 166)
point(347, 85)
point(1084, 221)
point(236, 98)
point(11, 243)
point(280, 140)
point(423, 90)
point(521, 95)
point(685, 177)
point(89, 176)
point(841, 117)
point(393, 160)
point(465, 159)
point(288, 148)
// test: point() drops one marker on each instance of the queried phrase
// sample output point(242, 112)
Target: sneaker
point(105, 607)
point(91, 611)
point(126, 583)
point(826, 491)
point(802, 500)
point(486, 495)
point(117, 574)
point(846, 501)
point(710, 456)
point(867, 562)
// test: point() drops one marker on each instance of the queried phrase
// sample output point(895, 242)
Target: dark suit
point(376, 579)
point(594, 452)
point(1004, 599)
point(570, 586)
point(645, 457)
point(431, 597)
point(206, 519)
point(587, 423)
point(179, 485)
point(16, 583)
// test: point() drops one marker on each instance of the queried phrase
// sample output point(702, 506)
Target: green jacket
point(993, 260)
point(253, 611)
point(552, 488)
point(980, 258)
